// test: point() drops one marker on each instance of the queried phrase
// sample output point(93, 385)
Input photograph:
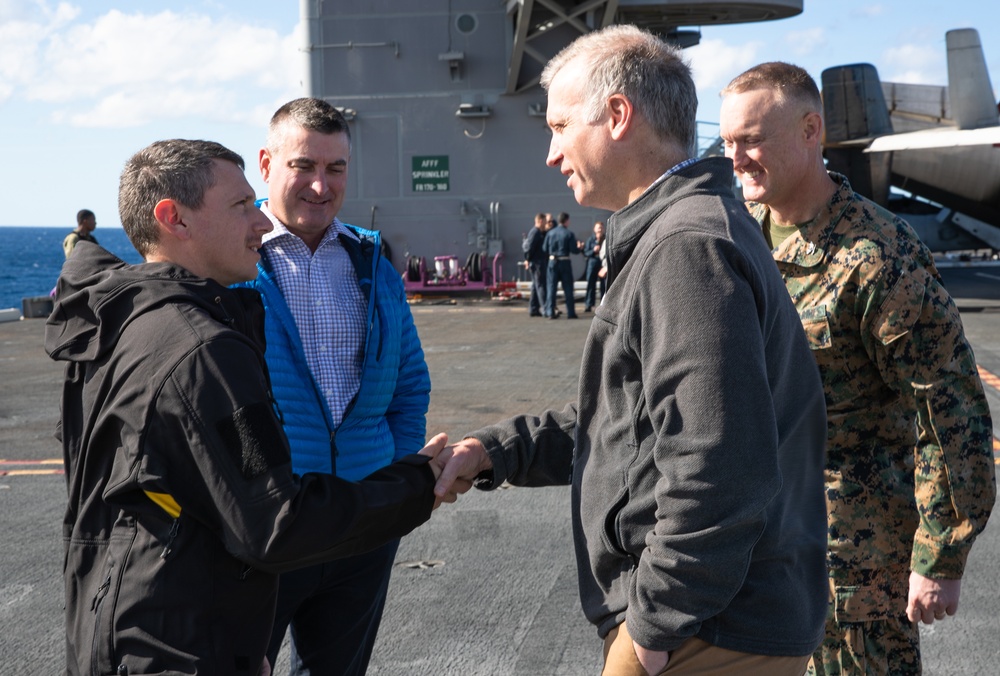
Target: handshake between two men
point(455, 466)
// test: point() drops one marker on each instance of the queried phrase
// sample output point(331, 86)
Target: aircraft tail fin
point(855, 112)
point(969, 90)
point(853, 104)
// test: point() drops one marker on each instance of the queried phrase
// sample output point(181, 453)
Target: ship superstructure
point(448, 118)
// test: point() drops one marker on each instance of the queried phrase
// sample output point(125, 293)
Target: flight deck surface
point(488, 586)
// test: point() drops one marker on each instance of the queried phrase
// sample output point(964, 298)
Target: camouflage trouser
point(888, 647)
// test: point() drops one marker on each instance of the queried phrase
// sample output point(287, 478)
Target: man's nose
point(319, 183)
point(736, 153)
point(263, 224)
point(555, 154)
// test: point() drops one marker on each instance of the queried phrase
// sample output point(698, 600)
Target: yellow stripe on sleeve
point(166, 501)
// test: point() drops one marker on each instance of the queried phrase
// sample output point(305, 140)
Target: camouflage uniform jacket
point(909, 477)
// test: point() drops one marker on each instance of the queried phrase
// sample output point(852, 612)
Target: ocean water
point(30, 259)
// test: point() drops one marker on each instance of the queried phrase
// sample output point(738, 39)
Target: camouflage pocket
point(816, 324)
point(900, 310)
point(855, 604)
point(877, 599)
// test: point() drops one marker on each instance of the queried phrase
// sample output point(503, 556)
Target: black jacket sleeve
point(216, 446)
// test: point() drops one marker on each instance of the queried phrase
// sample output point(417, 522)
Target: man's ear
point(264, 162)
point(619, 115)
point(812, 128)
point(167, 213)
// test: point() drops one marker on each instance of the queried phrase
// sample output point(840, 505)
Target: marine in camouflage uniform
point(910, 479)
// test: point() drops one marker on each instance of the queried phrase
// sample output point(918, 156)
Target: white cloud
point(35, 10)
point(129, 69)
point(806, 42)
point(914, 64)
point(870, 11)
point(715, 62)
point(24, 27)
point(131, 108)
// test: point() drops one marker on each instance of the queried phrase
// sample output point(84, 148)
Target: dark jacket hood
point(98, 294)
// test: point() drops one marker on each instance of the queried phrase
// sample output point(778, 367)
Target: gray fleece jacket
point(695, 451)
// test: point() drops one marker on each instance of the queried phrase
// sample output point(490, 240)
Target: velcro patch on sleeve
point(254, 439)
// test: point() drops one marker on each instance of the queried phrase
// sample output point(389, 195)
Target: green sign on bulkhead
point(430, 173)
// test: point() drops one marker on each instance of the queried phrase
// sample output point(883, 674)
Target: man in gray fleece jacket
point(695, 451)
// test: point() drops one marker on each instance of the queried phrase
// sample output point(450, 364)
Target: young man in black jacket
point(183, 507)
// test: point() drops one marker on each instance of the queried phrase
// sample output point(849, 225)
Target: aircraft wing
point(936, 138)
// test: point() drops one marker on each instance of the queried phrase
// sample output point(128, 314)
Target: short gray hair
point(311, 114)
point(624, 59)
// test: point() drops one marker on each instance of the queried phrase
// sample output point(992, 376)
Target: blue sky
point(83, 85)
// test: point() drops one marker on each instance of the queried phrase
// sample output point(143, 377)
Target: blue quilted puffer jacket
point(387, 418)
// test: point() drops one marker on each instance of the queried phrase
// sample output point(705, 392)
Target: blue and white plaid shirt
point(684, 164)
point(322, 293)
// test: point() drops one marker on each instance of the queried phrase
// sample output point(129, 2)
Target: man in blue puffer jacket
point(347, 369)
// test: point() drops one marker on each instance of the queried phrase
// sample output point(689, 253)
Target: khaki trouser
point(696, 657)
